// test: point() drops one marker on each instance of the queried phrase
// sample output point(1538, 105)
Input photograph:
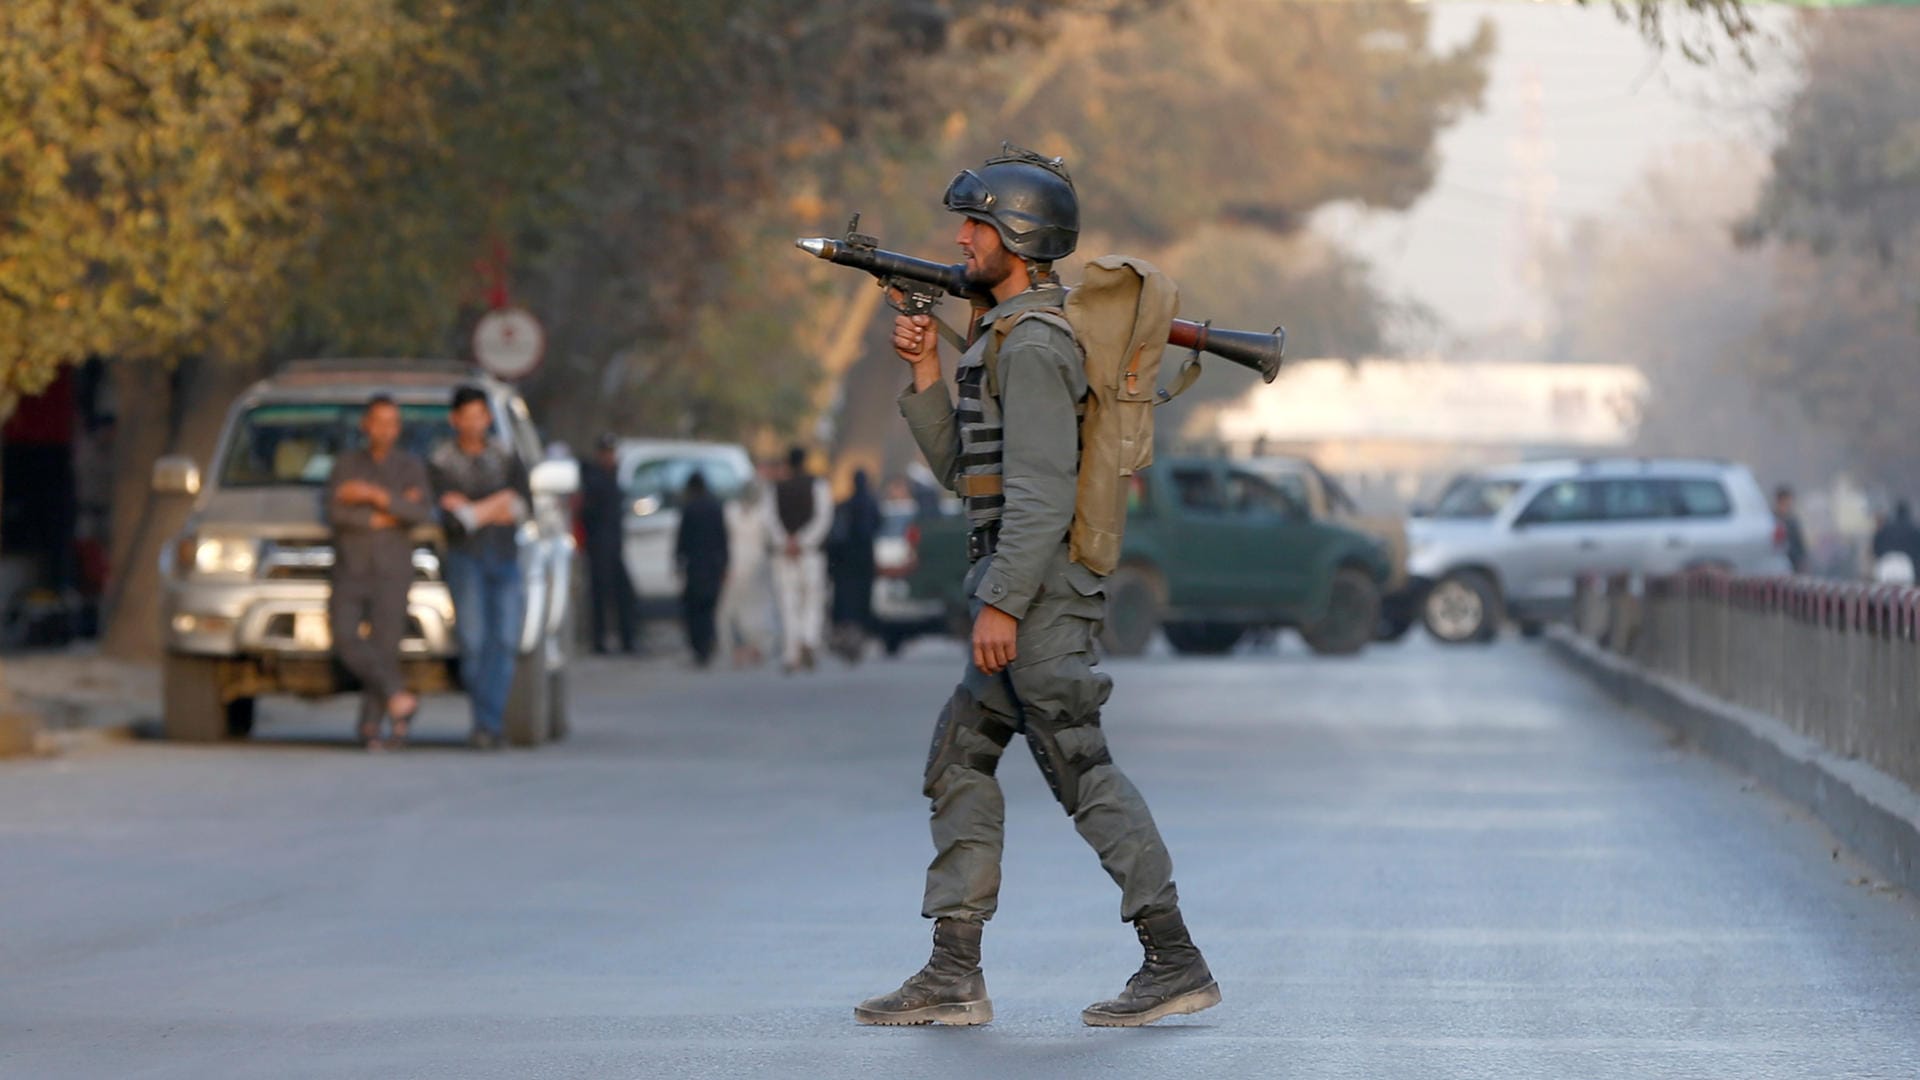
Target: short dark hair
point(1782, 492)
point(382, 398)
point(797, 457)
point(467, 395)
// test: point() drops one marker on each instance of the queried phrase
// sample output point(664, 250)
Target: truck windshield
point(1475, 497)
point(280, 444)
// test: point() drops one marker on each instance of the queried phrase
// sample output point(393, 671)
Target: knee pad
point(1064, 769)
point(963, 711)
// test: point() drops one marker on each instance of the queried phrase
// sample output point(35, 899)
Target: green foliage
point(1698, 28)
point(164, 168)
point(1253, 114)
point(1847, 171)
point(1844, 196)
point(232, 177)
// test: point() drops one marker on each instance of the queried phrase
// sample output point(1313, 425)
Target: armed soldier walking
point(1011, 451)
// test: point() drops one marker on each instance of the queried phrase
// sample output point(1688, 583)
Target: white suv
point(1511, 541)
point(652, 474)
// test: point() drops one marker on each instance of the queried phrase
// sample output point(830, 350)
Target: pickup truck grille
point(280, 633)
point(314, 562)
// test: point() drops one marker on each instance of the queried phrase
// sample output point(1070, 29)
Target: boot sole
point(958, 1014)
point(1190, 1002)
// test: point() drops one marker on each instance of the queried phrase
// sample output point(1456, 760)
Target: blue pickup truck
point(1212, 550)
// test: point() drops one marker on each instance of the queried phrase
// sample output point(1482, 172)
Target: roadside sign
point(509, 343)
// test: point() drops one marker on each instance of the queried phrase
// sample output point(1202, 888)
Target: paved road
point(1422, 863)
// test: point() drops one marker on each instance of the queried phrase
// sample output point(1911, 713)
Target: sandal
point(400, 724)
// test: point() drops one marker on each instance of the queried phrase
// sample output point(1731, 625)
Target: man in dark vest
point(1011, 451)
point(800, 513)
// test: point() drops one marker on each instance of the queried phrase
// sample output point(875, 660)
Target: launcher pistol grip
point(916, 297)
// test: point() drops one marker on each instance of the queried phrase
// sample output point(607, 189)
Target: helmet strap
point(1040, 274)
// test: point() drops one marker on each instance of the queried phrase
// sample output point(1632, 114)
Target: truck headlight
point(219, 556)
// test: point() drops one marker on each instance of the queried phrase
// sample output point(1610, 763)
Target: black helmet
point(1028, 199)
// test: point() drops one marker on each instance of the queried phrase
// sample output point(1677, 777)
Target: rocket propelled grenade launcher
point(922, 283)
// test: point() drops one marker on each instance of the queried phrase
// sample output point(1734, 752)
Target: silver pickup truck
point(246, 583)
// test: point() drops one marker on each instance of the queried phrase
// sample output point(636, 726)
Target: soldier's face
point(988, 262)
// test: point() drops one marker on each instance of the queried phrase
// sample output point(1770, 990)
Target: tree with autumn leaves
point(166, 169)
point(195, 189)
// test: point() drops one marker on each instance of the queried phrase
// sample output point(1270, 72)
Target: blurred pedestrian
point(700, 551)
point(746, 599)
point(856, 525)
point(484, 496)
point(800, 513)
point(603, 511)
point(1896, 540)
point(375, 496)
point(1787, 520)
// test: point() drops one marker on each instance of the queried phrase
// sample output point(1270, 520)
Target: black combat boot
point(1173, 980)
point(949, 990)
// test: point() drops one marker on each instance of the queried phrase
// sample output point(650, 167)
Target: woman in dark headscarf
point(700, 549)
point(855, 527)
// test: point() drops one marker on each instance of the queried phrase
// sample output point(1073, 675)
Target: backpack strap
point(1189, 374)
point(991, 358)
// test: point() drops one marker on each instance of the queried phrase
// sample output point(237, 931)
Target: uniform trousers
point(1052, 695)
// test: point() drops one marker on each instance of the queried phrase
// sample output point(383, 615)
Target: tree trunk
point(160, 412)
point(17, 727)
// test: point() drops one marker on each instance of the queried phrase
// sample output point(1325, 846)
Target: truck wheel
point(1203, 638)
point(559, 724)
point(528, 715)
point(1135, 598)
point(1353, 613)
point(1462, 607)
point(240, 717)
point(192, 709)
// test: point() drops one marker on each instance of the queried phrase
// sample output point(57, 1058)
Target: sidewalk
point(76, 690)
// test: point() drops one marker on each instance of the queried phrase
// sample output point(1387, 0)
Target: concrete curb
point(1872, 813)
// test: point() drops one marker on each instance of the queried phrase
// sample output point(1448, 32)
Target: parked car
point(1326, 500)
point(652, 475)
point(898, 615)
point(1512, 541)
point(1212, 550)
point(246, 583)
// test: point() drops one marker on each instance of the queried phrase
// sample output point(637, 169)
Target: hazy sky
point(1578, 106)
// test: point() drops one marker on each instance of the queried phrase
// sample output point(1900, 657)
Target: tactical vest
point(1117, 319)
point(981, 440)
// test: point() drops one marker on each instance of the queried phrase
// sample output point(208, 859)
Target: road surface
point(1418, 863)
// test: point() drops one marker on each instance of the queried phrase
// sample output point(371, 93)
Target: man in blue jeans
point(484, 496)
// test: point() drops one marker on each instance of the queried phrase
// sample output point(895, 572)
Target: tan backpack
point(1119, 316)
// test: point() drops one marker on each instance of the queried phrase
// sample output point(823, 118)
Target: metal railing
point(1838, 662)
